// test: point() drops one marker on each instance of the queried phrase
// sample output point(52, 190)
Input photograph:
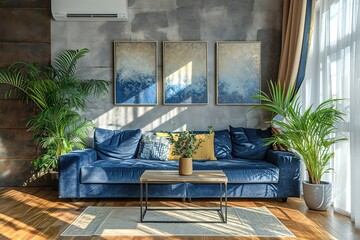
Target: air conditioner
point(89, 10)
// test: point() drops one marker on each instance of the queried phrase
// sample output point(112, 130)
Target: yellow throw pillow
point(205, 151)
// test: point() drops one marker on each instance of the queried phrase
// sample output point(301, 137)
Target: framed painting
point(185, 73)
point(238, 72)
point(135, 73)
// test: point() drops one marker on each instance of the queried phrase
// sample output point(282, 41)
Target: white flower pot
point(317, 196)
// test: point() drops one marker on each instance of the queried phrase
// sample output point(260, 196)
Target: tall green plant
point(59, 93)
point(310, 133)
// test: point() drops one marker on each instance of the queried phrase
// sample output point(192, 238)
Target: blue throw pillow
point(249, 143)
point(116, 144)
point(153, 147)
point(222, 145)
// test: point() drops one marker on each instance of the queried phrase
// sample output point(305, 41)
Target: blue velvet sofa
point(253, 170)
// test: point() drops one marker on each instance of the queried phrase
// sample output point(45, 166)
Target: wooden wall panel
point(3, 90)
point(28, 52)
point(15, 25)
point(25, 36)
point(15, 113)
point(16, 144)
point(25, 4)
point(20, 172)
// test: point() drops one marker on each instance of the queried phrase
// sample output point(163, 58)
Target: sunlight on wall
point(111, 118)
point(146, 118)
point(169, 116)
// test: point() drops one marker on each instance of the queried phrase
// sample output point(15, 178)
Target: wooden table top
point(172, 176)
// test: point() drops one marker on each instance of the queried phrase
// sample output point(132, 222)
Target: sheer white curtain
point(333, 70)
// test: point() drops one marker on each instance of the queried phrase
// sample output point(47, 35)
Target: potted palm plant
point(59, 94)
point(185, 144)
point(311, 133)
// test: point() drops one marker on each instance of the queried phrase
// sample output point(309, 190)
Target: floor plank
point(37, 213)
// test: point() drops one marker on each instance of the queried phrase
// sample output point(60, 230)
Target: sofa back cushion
point(222, 144)
point(153, 147)
point(249, 143)
point(116, 144)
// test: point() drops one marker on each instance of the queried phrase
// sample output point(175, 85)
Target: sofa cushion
point(249, 143)
point(153, 147)
point(116, 144)
point(222, 144)
point(205, 151)
point(129, 171)
point(126, 171)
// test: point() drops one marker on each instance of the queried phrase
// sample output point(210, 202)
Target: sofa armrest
point(69, 171)
point(289, 172)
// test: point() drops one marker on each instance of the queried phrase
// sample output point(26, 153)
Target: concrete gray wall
point(160, 20)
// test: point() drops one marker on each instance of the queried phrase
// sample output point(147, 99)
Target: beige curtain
point(294, 46)
point(294, 12)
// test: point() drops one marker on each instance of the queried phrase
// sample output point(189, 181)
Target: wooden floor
point(37, 213)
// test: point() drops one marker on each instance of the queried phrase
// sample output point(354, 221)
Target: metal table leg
point(226, 202)
point(146, 196)
point(221, 197)
point(222, 212)
point(141, 202)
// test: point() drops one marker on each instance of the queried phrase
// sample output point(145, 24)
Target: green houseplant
point(310, 133)
point(185, 144)
point(59, 94)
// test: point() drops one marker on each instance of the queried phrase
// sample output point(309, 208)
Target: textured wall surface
point(160, 20)
point(25, 31)
point(24, 36)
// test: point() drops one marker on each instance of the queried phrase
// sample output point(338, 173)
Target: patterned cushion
point(153, 147)
point(170, 156)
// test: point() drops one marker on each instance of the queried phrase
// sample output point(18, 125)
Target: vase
point(185, 166)
point(317, 196)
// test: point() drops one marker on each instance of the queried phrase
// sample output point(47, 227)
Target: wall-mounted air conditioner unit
point(89, 10)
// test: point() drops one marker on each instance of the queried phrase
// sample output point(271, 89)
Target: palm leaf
point(65, 63)
point(59, 93)
point(308, 133)
point(15, 79)
point(94, 88)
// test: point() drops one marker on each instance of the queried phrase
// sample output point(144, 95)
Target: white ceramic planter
point(317, 196)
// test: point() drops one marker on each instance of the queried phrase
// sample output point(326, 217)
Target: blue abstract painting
point(135, 67)
point(238, 72)
point(185, 73)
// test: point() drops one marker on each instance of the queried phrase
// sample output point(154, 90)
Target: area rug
point(125, 221)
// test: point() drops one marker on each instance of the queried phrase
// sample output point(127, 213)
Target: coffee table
point(172, 176)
